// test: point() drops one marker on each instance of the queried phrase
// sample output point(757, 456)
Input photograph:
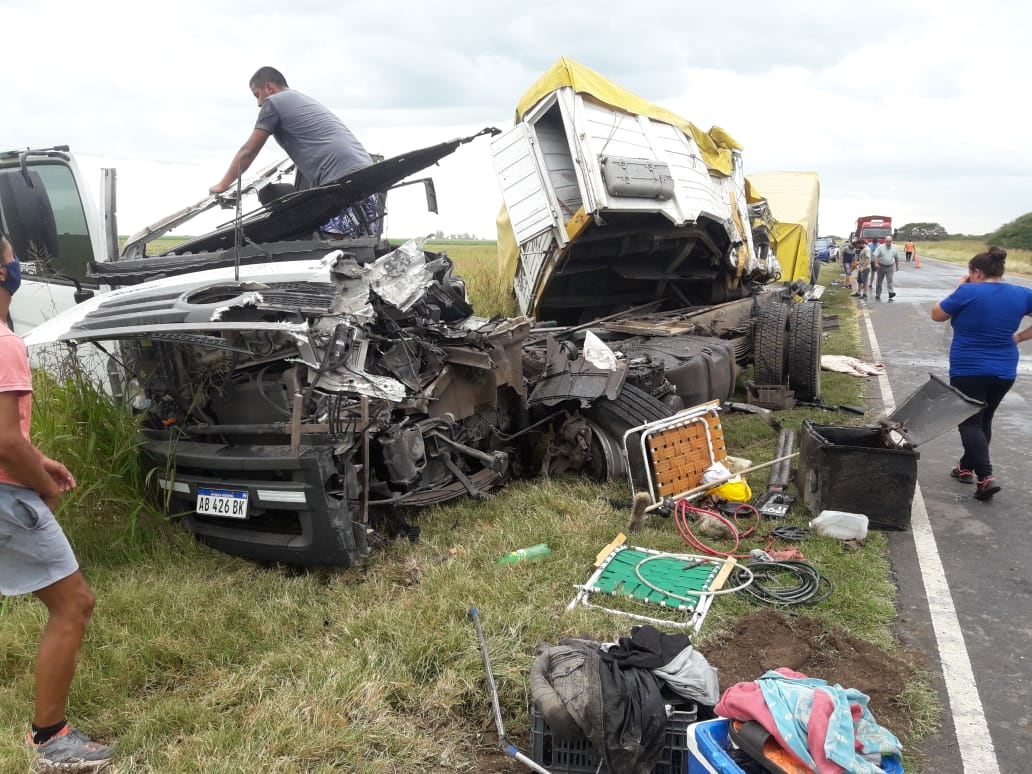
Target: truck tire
point(805, 327)
point(770, 354)
point(610, 419)
point(631, 407)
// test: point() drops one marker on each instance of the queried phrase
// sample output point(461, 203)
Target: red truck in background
point(873, 228)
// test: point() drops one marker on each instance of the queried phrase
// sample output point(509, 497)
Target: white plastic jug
point(841, 524)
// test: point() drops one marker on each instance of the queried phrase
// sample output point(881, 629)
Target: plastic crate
point(708, 743)
point(578, 756)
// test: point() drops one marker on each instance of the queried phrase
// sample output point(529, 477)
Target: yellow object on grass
point(736, 490)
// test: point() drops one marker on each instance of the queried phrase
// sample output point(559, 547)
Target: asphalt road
point(965, 596)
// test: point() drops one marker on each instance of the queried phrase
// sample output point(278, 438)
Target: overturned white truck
point(615, 204)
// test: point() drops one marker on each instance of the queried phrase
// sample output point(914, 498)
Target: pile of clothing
point(826, 728)
point(616, 694)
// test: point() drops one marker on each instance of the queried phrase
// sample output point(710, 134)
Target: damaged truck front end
point(288, 421)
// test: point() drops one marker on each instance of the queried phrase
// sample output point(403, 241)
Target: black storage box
point(850, 469)
point(872, 469)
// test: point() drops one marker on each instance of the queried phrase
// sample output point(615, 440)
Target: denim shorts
point(34, 552)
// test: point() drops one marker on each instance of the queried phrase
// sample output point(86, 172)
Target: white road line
point(973, 741)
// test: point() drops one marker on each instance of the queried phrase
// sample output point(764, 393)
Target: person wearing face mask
point(35, 556)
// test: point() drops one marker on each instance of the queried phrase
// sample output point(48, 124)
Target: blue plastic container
point(709, 751)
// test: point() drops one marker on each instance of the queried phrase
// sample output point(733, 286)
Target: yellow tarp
point(716, 145)
point(793, 198)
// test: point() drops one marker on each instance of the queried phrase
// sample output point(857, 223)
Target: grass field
point(477, 262)
point(199, 662)
point(962, 250)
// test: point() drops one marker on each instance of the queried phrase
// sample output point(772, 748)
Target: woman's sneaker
point(71, 750)
point(964, 475)
point(986, 488)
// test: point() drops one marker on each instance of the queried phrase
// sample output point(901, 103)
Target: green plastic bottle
point(531, 552)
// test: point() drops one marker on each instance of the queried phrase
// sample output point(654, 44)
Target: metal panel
point(536, 258)
point(533, 209)
point(559, 166)
point(606, 132)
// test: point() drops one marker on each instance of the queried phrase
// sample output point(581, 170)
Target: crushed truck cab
point(611, 202)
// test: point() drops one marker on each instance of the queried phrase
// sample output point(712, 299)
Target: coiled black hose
point(771, 587)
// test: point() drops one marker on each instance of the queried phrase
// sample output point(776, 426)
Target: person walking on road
point(886, 264)
point(985, 313)
point(35, 557)
point(863, 269)
point(908, 251)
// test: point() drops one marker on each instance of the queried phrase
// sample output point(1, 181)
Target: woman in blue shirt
point(985, 312)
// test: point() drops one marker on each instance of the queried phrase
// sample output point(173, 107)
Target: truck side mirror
point(82, 295)
point(28, 215)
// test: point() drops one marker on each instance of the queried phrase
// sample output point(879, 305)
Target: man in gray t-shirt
point(318, 142)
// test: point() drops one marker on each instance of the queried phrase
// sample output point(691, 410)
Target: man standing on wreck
point(320, 145)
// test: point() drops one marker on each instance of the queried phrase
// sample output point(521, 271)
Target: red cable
point(683, 508)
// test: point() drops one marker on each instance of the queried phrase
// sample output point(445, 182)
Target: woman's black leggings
point(977, 431)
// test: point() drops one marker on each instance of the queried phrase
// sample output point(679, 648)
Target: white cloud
point(914, 109)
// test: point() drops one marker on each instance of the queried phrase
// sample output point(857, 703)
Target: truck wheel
point(610, 419)
point(606, 461)
point(769, 353)
point(631, 407)
point(805, 327)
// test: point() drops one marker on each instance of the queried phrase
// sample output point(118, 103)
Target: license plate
point(228, 503)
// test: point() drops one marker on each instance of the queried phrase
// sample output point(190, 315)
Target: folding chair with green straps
point(685, 583)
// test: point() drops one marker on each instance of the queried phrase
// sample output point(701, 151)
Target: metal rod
point(492, 461)
point(238, 227)
point(272, 427)
point(365, 459)
point(780, 473)
point(295, 424)
point(563, 331)
point(503, 742)
point(713, 484)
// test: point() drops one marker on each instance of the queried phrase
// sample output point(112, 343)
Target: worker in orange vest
point(909, 251)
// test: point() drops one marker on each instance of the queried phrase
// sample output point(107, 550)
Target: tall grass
point(490, 291)
point(75, 422)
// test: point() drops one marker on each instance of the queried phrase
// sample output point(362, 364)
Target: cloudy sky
point(917, 110)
